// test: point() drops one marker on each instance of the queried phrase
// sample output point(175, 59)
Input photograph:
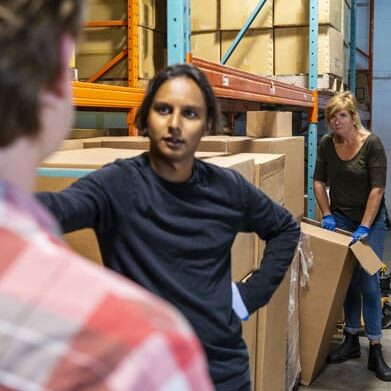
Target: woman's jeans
point(364, 288)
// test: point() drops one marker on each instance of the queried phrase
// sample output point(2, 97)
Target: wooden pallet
point(327, 82)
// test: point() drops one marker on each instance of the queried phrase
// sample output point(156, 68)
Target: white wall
point(381, 102)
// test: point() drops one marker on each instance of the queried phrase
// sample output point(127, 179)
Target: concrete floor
point(353, 375)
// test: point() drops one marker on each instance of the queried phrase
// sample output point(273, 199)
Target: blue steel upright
point(178, 30)
point(312, 141)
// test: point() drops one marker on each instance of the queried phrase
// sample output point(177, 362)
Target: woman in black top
point(352, 162)
point(167, 221)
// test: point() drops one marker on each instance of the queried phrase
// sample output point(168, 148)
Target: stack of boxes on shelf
point(213, 33)
point(99, 45)
point(275, 45)
point(275, 165)
point(277, 42)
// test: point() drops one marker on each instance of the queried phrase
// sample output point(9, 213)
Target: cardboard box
point(272, 331)
point(101, 45)
point(242, 252)
point(269, 124)
point(204, 17)
point(227, 144)
point(206, 45)
point(151, 51)
point(234, 14)
point(97, 48)
point(249, 332)
point(291, 51)
point(118, 10)
point(269, 174)
point(90, 63)
point(72, 144)
point(293, 149)
point(253, 54)
point(296, 13)
point(125, 142)
point(320, 302)
point(106, 10)
point(265, 334)
point(93, 158)
point(82, 241)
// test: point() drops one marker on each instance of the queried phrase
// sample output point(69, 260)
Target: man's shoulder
point(81, 291)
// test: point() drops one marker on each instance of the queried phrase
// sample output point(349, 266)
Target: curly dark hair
point(30, 33)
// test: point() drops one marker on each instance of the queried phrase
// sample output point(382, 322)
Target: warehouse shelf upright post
point(312, 142)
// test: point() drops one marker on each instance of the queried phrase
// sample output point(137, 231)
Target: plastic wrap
point(301, 264)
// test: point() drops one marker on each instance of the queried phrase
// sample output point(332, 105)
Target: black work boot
point(377, 364)
point(350, 348)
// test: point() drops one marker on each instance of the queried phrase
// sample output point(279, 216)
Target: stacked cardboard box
point(100, 45)
point(266, 332)
point(291, 147)
point(82, 241)
point(215, 27)
point(269, 123)
point(279, 33)
point(266, 328)
point(291, 36)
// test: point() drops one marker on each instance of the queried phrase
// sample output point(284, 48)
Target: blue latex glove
point(237, 303)
point(329, 223)
point(360, 233)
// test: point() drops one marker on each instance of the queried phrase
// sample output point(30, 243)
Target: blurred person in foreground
point(168, 220)
point(352, 162)
point(66, 323)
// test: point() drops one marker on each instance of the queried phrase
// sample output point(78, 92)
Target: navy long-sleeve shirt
point(175, 240)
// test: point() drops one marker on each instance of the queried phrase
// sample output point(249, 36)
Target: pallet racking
point(230, 84)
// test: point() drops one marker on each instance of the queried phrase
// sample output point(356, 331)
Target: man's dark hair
point(30, 62)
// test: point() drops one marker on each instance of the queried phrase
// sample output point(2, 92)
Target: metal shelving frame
point(95, 95)
point(235, 84)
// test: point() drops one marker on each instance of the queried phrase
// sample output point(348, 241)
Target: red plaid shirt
point(66, 324)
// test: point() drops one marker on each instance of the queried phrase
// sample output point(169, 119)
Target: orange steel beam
point(133, 43)
point(232, 83)
point(106, 23)
point(106, 96)
point(133, 60)
point(132, 130)
point(108, 66)
point(313, 111)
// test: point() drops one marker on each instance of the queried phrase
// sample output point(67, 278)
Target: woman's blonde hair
point(344, 101)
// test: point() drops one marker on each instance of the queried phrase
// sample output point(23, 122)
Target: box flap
point(314, 229)
point(367, 257)
point(362, 251)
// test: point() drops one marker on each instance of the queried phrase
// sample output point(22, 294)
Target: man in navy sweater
point(167, 221)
